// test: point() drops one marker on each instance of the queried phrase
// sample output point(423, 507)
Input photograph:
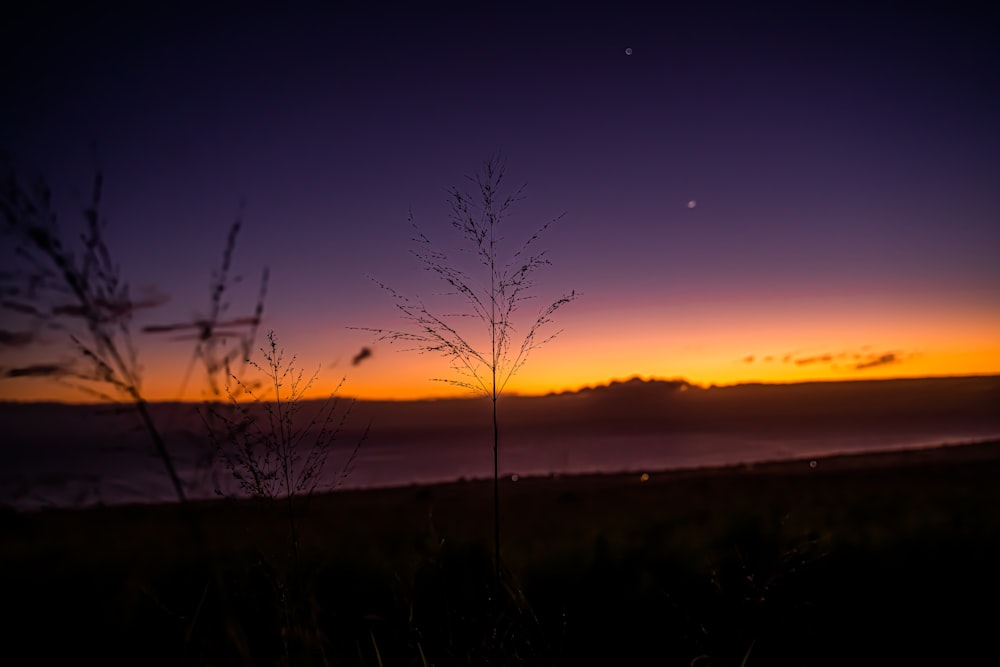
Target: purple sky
point(844, 161)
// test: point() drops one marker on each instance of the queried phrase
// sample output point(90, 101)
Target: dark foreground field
point(876, 559)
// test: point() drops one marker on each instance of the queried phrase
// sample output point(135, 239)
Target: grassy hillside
point(855, 560)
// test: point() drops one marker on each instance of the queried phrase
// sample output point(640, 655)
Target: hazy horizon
point(84, 398)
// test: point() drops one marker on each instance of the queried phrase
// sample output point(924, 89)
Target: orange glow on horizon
point(561, 373)
point(720, 344)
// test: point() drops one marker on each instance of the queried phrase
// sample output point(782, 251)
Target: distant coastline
point(67, 454)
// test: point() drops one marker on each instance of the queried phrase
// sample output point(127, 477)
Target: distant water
point(88, 471)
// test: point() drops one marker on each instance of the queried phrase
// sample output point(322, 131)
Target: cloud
point(820, 359)
point(361, 356)
point(858, 359)
point(878, 360)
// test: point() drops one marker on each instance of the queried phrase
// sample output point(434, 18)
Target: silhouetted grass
point(73, 285)
point(277, 454)
point(489, 300)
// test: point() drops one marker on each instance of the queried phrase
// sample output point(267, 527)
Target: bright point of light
point(692, 203)
point(514, 477)
point(628, 51)
point(644, 477)
point(812, 464)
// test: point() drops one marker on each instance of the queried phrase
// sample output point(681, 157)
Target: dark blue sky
point(844, 161)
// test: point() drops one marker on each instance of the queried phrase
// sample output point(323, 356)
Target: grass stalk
point(493, 301)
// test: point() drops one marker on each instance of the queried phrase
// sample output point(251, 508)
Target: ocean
point(124, 468)
point(62, 455)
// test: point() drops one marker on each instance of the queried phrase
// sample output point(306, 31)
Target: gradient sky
point(844, 161)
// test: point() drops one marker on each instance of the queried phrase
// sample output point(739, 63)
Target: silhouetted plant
point(493, 301)
point(78, 290)
point(270, 450)
point(276, 447)
point(211, 333)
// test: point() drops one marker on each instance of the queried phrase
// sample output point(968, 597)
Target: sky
point(741, 194)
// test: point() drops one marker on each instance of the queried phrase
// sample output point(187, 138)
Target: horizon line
point(637, 377)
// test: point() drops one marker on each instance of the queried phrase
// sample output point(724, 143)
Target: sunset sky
point(749, 194)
